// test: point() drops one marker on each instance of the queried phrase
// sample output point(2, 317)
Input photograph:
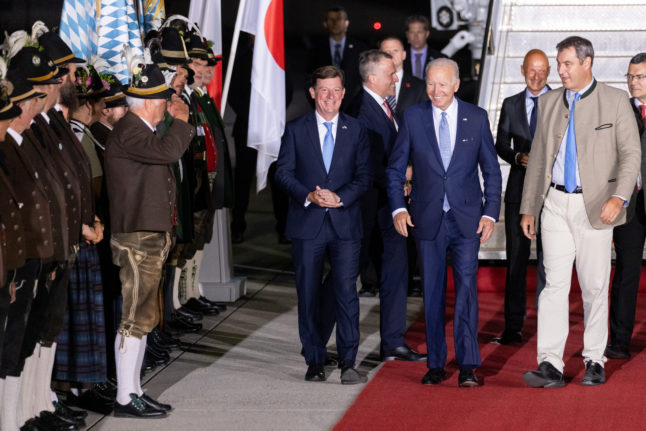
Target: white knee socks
point(126, 358)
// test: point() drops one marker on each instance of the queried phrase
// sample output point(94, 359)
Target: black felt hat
point(89, 84)
point(114, 95)
point(212, 60)
point(22, 89)
point(37, 67)
point(57, 50)
point(173, 47)
point(196, 47)
point(8, 109)
point(147, 82)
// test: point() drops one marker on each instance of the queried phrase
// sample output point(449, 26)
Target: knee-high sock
point(196, 291)
point(26, 407)
point(176, 281)
point(43, 397)
point(184, 281)
point(126, 361)
point(10, 400)
point(136, 378)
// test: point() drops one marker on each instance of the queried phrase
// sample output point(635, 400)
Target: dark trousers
point(393, 292)
point(464, 255)
point(629, 246)
point(279, 199)
point(243, 176)
point(309, 256)
point(371, 245)
point(25, 280)
point(5, 300)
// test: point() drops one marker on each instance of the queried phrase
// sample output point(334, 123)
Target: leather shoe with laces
point(351, 376)
point(315, 373)
point(197, 306)
point(594, 375)
point(546, 376)
point(66, 413)
point(403, 353)
point(508, 338)
point(434, 376)
point(467, 378)
point(155, 404)
point(614, 351)
point(137, 408)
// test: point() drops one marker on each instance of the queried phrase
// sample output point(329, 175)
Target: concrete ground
point(243, 371)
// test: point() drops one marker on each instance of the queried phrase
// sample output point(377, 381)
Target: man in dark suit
point(409, 90)
point(379, 78)
point(446, 140)
point(419, 53)
point(324, 166)
point(629, 238)
point(341, 51)
point(516, 129)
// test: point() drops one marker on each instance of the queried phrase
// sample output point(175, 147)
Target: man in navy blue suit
point(379, 77)
point(324, 166)
point(446, 140)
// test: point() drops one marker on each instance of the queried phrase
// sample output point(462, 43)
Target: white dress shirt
point(529, 103)
point(380, 101)
point(15, 135)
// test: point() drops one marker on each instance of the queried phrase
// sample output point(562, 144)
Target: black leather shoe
point(594, 375)
point(546, 376)
point(49, 421)
point(434, 376)
point(350, 376)
point(368, 291)
point(196, 306)
point(415, 292)
point(403, 353)
point(166, 339)
point(64, 412)
point(315, 373)
point(93, 401)
point(155, 358)
point(467, 378)
point(219, 305)
point(155, 404)
point(189, 315)
point(330, 361)
point(156, 348)
point(508, 338)
point(614, 351)
point(178, 323)
point(137, 408)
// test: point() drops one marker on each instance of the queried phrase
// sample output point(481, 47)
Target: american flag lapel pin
point(464, 119)
point(344, 127)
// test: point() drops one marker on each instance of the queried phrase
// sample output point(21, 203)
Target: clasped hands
point(324, 198)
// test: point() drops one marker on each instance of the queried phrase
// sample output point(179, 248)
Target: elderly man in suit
point(324, 166)
point(379, 78)
point(629, 238)
point(143, 211)
point(341, 51)
point(516, 129)
point(582, 168)
point(446, 140)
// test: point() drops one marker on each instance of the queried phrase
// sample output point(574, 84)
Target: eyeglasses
point(639, 78)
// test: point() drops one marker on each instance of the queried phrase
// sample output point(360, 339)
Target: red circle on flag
point(275, 33)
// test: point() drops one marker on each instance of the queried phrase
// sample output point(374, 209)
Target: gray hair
point(443, 62)
point(135, 102)
point(582, 46)
point(639, 58)
point(368, 60)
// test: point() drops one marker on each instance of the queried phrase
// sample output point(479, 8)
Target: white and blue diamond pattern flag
point(118, 25)
point(154, 12)
point(78, 27)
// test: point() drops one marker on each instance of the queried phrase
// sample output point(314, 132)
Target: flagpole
point(232, 56)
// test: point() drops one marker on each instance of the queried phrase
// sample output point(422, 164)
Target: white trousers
point(568, 236)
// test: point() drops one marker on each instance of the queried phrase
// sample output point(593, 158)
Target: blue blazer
point(474, 147)
point(300, 169)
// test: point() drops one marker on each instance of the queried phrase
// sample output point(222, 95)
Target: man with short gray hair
point(582, 168)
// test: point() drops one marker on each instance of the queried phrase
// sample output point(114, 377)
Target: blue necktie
point(533, 117)
point(418, 73)
point(570, 151)
point(328, 146)
point(336, 59)
point(445, 152)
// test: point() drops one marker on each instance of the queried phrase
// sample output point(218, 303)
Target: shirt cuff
point(307, 202)
point(399, 210)
point(490, 218)
point(516, 158)
point(625, 204)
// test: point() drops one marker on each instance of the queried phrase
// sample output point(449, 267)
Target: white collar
point(15, 135)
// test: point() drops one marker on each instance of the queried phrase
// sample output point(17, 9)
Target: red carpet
point(396, 400)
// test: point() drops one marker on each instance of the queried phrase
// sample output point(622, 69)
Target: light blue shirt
point(529, 103)
point(558, 170)
point(333, 45)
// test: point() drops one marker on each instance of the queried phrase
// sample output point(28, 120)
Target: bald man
point(513, 143)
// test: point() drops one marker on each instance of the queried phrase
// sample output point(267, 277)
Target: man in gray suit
point(582, 168)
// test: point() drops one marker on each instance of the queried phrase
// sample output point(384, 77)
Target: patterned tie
point(388, 112)
point(445, 152)
point(533, 116)
point(328, 146)
point(392, 103)
point(570, 151)
point(418, 66)
point(336, 61)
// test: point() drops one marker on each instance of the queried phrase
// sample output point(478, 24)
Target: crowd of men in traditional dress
point(109, 193)
point(108, 197)
point(408, 166)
